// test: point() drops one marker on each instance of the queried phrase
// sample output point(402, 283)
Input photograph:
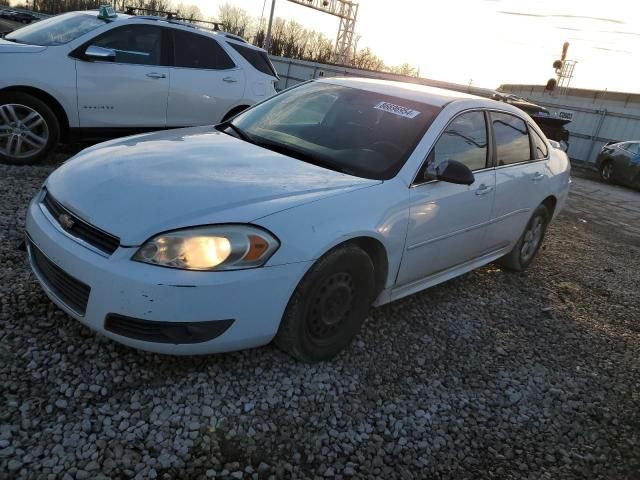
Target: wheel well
point(550, 203)
point(378, 255)
point(55, 106)
point(234, 111)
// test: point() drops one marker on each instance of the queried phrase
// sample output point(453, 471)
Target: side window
point(463, 140)
point(191, 50)
point(136, 44)
point(512, 139)
point(634, 148)
point(540, 147)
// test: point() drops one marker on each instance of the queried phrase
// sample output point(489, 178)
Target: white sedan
point(289, 221)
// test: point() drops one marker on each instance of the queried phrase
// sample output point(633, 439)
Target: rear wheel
point(529, 243)
point(607, 171)
point(29, 130)
point(329, 305)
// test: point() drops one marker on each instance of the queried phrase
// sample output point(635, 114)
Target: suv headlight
point(220, 247)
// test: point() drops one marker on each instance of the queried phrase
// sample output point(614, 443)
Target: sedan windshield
point(355, 131)
point(56, 30)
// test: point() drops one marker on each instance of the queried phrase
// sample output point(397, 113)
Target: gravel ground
point(492, 375)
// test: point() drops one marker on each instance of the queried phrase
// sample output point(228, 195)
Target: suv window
point(191, 50)
point(540, 148)
point(136, 44)
point(463, 140)
point(512, 139)
point(257, 58)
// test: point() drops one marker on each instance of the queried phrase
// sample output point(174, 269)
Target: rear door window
point(191, 50)
point(512, 139)
point(539, 146)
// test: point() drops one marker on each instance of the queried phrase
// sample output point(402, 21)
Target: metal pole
point(267, 38)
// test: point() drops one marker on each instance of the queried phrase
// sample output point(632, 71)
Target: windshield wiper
point(238, 131)
point(303, 156)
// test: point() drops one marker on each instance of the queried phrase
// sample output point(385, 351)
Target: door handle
point(229, 80)
point(537, 177)
point(156, 75)
point(483, 190)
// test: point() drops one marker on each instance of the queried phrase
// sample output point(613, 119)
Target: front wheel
point(329, 305)
point(29, 130)
point(607, 171)
point(529, 243)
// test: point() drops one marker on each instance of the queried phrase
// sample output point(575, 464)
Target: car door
point(521, 176)
point(448, 221)
point(130, 90)
point(205, 82)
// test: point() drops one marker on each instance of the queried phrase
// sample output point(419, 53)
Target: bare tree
point(236, 20)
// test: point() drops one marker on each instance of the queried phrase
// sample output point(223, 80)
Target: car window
point(540, 147)
point(512, 139)
point(257, 58)
point(197, 51)
point(56, 30)
point(634, 148)
point(136, 44)
point(463, 140)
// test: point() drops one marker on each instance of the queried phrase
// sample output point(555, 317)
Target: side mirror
point(93, 52)
point(452, 171)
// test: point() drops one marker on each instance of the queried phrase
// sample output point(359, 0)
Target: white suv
point(83, 75)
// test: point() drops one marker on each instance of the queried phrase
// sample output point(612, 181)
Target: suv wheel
point(29, 130)
point(607, 171)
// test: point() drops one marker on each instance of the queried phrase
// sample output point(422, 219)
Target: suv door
point(447, 222)
point(521, 175)
point(205, 82)
point(130, 90)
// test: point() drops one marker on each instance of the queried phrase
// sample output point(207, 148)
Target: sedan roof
point(438, 97)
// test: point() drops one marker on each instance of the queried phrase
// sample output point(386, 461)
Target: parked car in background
point(5, 12)
point(81, 75)
point(22, 17)
point(291, 219)
point(620, 163)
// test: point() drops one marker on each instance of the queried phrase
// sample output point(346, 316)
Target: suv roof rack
point(172, 17)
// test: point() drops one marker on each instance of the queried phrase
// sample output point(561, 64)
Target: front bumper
point(249, 303)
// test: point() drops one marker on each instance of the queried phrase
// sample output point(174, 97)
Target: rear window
point(257, 58)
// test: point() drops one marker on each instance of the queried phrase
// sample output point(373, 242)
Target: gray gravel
point(492, 375)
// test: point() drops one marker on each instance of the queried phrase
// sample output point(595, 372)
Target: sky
point(489, 42)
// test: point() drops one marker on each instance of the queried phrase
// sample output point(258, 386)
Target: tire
point(524, 251)
point(607, 171)
point(26, 144)
point(329, 305)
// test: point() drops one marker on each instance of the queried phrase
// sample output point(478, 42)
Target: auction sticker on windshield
point(397, 110)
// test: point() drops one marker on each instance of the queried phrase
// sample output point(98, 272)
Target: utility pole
point(267, 38)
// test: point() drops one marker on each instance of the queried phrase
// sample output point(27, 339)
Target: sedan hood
point(140, 186)
point(13, 47)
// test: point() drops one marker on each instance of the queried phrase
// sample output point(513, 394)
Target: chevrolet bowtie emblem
point(66, 221)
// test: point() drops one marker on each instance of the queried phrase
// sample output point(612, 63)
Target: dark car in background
point(22, 17)
point(620, 163)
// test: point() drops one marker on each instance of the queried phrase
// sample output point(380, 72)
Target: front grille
point(69, 290)
point(166, 332)
point(77, 227)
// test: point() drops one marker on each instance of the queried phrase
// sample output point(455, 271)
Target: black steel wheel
point(329, 305)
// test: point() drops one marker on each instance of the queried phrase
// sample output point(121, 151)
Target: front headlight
point(221, 247)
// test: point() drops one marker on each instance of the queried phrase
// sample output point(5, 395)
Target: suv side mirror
point(93, 52)
point(452, 171)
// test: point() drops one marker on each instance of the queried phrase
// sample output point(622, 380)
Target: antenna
point(347, 11)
